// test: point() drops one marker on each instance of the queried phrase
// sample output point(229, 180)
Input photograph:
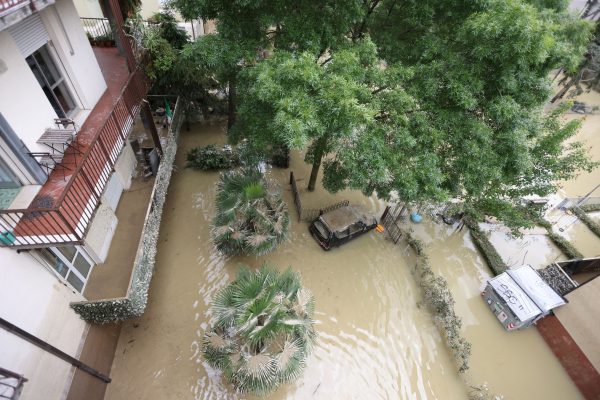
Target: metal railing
point(97, 29)
point(310, 214)
point(11, 384)
point(49, 222)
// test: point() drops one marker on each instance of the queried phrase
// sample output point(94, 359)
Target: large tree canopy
point(427, 99)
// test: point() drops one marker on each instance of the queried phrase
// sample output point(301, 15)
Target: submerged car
point(342, 225)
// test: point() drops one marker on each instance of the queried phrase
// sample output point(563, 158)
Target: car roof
point(340, 219)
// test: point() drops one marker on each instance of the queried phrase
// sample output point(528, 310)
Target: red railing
point(68, 220)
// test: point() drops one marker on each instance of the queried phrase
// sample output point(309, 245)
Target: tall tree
point(427, 99)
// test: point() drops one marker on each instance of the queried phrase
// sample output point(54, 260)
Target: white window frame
point(71, 269)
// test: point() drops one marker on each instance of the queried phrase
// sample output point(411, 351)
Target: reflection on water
point(375, 342)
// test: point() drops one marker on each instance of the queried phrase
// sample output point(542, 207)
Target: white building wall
point(88, 8)
point(33, 299)
point(82, 67)
point(125, 165)
point(22, 101)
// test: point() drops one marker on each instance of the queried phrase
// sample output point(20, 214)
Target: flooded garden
point(376, 340)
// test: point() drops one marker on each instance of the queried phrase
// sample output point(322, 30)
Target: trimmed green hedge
point(590, 223)
point(590, 207)
point(440, 301)
point(493, 259)
point(564, 245)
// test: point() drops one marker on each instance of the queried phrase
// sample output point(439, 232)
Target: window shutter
point(30, 34)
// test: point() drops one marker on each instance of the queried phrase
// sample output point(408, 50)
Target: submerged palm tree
point(250, 218)
point(262, 329)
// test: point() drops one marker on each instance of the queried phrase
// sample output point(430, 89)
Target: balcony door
point(51, 80)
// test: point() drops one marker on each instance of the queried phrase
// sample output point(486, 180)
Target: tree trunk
point(231, 104)
point(318, 156)
point(563, 91)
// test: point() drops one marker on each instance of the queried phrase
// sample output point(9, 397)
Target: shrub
point(262, 330)
point(564, 245)
point(440, 301)
point(590, 207)
point(590, 223)
point(484, 245)
point(251, 217)
point(210, 158)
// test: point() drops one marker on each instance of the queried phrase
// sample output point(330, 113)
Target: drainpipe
point(15, 330)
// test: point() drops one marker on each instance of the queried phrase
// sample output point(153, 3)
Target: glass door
point(71, 263)
point(52, 82)
point(8, 180)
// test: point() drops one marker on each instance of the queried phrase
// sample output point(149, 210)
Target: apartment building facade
point(66, 111)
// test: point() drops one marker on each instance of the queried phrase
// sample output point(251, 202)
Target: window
point(70, 262)
point(52, 82)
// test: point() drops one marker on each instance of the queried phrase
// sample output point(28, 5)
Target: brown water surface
point(375, 342)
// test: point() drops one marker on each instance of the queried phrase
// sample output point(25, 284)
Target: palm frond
point(262, 330)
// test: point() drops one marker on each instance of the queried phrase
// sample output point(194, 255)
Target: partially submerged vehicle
point(519, 297)
point(341, 225)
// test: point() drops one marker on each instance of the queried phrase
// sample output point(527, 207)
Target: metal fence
point(11, 384)
point(98, 29)
point(66, 219)
point(389, 220)
point(310, 214)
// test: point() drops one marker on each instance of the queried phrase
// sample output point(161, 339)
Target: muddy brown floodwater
point(375, 342)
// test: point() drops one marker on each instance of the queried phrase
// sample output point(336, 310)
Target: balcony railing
point(98, 30)
point(11, 384)
point(69, 218)
point(6, 5)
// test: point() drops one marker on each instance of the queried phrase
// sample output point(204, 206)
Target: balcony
point(64, 207)
point(13, 11)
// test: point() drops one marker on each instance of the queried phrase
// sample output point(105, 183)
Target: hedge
point(134, 304)
point(440, 301)
point(493, 259)
point(590, 223)
point(590, 207)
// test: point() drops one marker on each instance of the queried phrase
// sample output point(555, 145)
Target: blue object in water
point(416, 217)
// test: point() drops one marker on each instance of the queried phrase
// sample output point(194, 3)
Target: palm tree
point(262, 329)
point(251, 217)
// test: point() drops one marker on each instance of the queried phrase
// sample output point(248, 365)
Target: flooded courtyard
point(375, 340)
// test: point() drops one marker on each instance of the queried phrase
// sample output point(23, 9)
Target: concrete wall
point(101, 232)
point(97, 241)
point(125, 165)
point(32, 298)
point(22, 101)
